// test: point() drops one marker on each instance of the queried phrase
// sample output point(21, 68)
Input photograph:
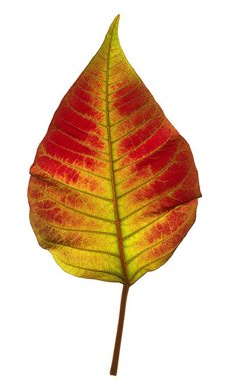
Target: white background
point(180, 322)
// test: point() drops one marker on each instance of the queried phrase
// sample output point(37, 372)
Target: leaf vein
point(141, 143)
point(82, 130)
point(146, 155)
point(76, 152)
point(83, 114)
point(133, 113)
point(94, 95)
point(148, 224)
point(78, 230)
point(150, 263)
point(75, 167)
point(81, 249)
point(116, 211)
point(81, 142)
point(154, 175)
point(162, 240)
point(72, 208)
point(138, 126)
point(87, 103)
point(71, 187)
point(131, 100)
point(158, 198)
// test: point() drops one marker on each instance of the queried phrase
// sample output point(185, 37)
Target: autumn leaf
point(113, 187)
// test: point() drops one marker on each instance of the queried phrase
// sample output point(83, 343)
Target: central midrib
point(117, 219)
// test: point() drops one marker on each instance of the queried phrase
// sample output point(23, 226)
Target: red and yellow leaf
point(113, 187)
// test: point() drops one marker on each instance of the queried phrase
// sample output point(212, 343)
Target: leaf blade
point(111, 163)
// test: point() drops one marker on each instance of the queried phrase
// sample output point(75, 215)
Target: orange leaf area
point(113, 187)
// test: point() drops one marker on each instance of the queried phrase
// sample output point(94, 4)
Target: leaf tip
point(115, 23)
point(112, 33)
point(117, 19)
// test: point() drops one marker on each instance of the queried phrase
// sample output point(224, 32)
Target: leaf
point(113, 187)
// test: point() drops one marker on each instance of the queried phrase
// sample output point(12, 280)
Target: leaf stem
point(116, 353)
